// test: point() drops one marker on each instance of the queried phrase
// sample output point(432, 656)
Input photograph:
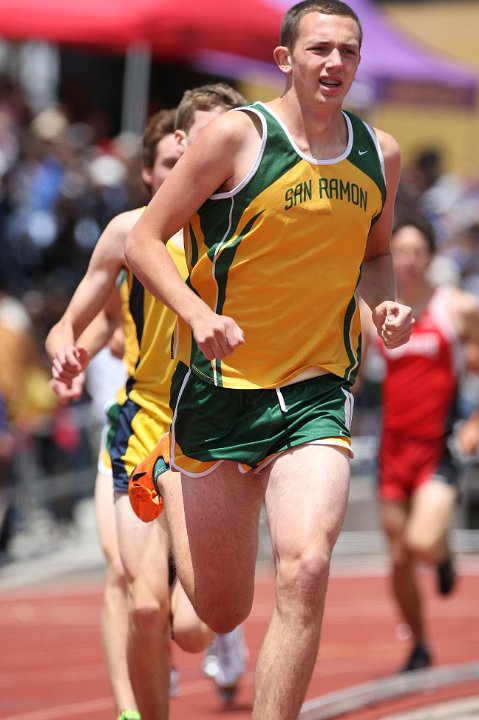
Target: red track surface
point(51, 663)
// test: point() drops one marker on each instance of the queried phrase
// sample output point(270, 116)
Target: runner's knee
point(303, 580)
point(221, 615)
point(193, 637)
point(150, 614)
point(424, 547)
point(115, 572)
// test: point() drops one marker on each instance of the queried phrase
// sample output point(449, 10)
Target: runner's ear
point(283, 59)
point(180, 137)
point(147, 176)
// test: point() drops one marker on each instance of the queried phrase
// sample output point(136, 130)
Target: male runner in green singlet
point(288, 213)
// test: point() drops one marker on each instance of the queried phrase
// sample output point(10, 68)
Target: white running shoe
point(232, 656)
point(210, 660)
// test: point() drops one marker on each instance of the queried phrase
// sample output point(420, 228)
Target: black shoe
point(446, 576)
point(418, 659)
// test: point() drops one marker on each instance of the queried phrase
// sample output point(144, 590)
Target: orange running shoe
point(145, 497)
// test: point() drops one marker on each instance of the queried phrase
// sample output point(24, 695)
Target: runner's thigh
point(105, 516)
point(213, 523)
point(144, 548)
point(431, 512)
point(306, 495)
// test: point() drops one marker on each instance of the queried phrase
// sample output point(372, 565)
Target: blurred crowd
point(60, 184)
point(453, 208)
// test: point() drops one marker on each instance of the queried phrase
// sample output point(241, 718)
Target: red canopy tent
point(181, 28)
point(166, 29)
point(106, 23)
point(172, 28)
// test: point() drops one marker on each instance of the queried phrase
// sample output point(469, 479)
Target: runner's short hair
point(420, 223)
point(161, 124)
point(290, 24)
point(205, 97)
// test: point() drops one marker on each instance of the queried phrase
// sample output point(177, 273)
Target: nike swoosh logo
point(362, 152)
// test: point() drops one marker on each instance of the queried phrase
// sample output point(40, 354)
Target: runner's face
point(167, 154)
point(325, 58)
point(411, 256)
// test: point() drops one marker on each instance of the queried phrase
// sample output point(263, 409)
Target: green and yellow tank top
point(130, 340)
point(154, 324)
point(281, 253)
